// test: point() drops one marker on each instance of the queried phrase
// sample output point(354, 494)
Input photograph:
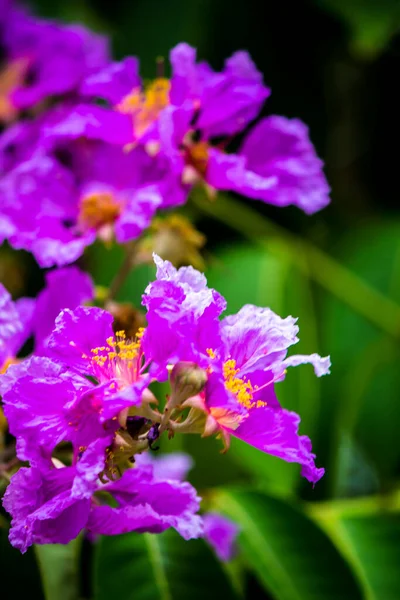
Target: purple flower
point(46, 59)
point(176, 119)
point(52, 505)
point(114, 82)
point(244, 355)
point(221, 534)
point(80, 398)
point(226, 102)
point(55, 204)
point(82, 410)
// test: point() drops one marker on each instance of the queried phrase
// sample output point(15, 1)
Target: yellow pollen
point(98, 209)
point(9, 361)
point(211, 353)
point(197, 156)
point(118, 349)
point(11, 77)
point(145, 106)
point(242, 389)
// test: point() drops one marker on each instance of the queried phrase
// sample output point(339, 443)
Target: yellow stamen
point(11, 77)
point(197, 156)
point(242, 389)
point(98, 209)
point(145, 106)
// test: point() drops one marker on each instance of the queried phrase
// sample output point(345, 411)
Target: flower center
point(98, 209)
point(145, 106)
point(241, 388)
point(197, 156)
point(11, 77)
point(119, 359)
point(9, 361)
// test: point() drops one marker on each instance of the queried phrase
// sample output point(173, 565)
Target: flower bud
point(187, 379)
point(175, 239)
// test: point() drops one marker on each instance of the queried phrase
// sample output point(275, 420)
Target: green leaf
point(292, 557)
point(165, 567)
point(367, 531)
point(371, 24)
point(367, 377)
point(103, 263)
point(375, 542)
point(59, 570)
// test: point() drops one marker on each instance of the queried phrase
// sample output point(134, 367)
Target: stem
point(124, 270)
point(383, 312)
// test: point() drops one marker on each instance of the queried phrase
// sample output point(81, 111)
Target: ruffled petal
point(65, 288)
point(148, 505)
point(76, 333)
point(276, 432)
point(257, 338)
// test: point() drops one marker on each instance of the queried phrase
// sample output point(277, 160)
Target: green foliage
point(291, 556)
point(371, 24)
point(59, 567)
point(158, 567)
point(19, 573)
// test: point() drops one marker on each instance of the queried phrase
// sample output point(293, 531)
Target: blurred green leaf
point(375, 541)
point(103, 263)
point(365, 360)
point(59, 570)
point(371, 24)
point(19, 572)
point(291, 555)
point(150, 567)
point(367, 532)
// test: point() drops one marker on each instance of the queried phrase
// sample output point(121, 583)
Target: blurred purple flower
point(221, 534)
point(16, 324)
point(68, 287)
point(45, 59)
point(277, 163)
point(55, 204)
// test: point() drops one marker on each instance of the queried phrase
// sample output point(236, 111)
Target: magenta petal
point(276, 432)
point(221, 534)
point(148, 504)
point(138, 213)
point(113, 82)
point(91, 122)
point(89, 468)
point(65, 288)
point(39, 425)
point(42, 508)
point(281, 148)
point(76, 333)
point(167, 466)
point(231, 172)
point(257, 338)
point(10, 324)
